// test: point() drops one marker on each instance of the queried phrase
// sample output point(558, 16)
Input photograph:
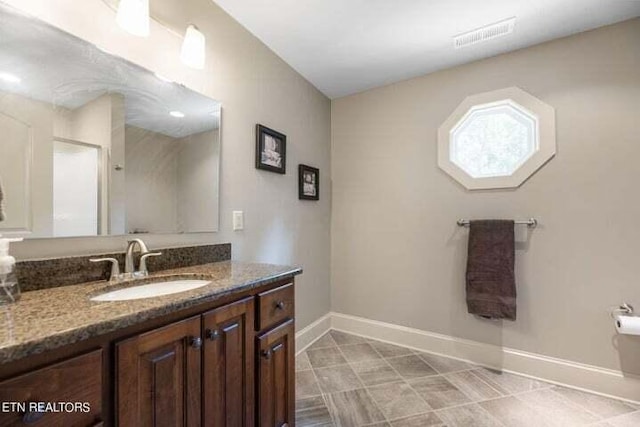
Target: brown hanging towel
point(491, 283)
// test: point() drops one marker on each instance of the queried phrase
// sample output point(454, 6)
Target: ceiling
point(60, 69)
point(347, 46)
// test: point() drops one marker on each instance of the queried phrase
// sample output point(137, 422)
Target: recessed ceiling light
point(163, 78)
point(178, 114)
point(488, 32)
point(10, 78)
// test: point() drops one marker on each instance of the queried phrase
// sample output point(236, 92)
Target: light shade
point(9, 78)
point(133, 17)
point(193, 48)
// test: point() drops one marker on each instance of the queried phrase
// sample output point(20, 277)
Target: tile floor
point(347, 381)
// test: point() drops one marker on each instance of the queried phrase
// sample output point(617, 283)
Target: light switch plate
point(238, 220)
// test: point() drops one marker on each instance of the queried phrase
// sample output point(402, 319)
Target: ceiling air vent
point(485, 33)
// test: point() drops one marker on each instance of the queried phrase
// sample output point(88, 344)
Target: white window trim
point(545, 115)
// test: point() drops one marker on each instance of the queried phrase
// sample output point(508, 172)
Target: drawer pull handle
point(196, 342)
point(280, 305)
point(266, 354)
point(213, 334)
point(32, 417)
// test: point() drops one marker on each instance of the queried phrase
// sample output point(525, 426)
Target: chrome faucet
point(129, 267)
point(128, 260)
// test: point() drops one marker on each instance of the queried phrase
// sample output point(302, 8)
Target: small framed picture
point(271, 150)
point(308, 183)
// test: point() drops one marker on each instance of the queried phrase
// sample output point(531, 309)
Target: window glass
point(494, 140)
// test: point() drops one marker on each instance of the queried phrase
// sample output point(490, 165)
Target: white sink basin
point(151, 290)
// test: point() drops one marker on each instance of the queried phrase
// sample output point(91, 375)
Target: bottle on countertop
point(9, 287)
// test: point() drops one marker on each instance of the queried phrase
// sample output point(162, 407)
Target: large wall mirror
point(93, 145)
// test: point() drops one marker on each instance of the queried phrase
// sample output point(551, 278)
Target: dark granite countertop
point(46, 319)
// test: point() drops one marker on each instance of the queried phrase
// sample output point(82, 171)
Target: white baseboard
point(308, 335)
point(607, 382)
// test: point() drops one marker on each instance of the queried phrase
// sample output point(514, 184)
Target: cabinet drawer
point(275, 306)
point(74, 381)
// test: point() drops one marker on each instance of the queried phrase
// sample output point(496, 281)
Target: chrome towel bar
point(531, 222)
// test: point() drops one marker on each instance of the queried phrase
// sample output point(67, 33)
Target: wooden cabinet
point(276, 381)
point(202, 370)
point(158, 377)
point(223, 363)
point(78, 379)
point(228, 391)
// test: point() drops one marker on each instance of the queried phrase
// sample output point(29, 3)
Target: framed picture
point(308, 183)
point(271, 150)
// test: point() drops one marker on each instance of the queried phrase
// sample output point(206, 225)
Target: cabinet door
point(276, 381)
point(158, 377)
point(228, 387)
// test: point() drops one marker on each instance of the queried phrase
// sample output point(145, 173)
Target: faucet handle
point(115, 267)
point(143, 262)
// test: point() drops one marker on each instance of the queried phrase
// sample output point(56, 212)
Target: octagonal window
point(494, 140)
point(497, 139)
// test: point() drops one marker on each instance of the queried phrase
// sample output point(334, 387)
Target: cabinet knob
point(266, 354)
point(213, 334)
point(196, 342)
point(280, 305)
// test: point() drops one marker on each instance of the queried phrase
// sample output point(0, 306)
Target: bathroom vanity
point(97, 146)
point(221, 354)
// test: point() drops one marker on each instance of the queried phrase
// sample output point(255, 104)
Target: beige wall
point(151, 181)
point(171, 184)
point(397, 254)
point(254, 86)
point(198, 171)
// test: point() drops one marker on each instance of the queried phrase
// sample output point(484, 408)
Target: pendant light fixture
point(133, 17)
point(193, 48)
